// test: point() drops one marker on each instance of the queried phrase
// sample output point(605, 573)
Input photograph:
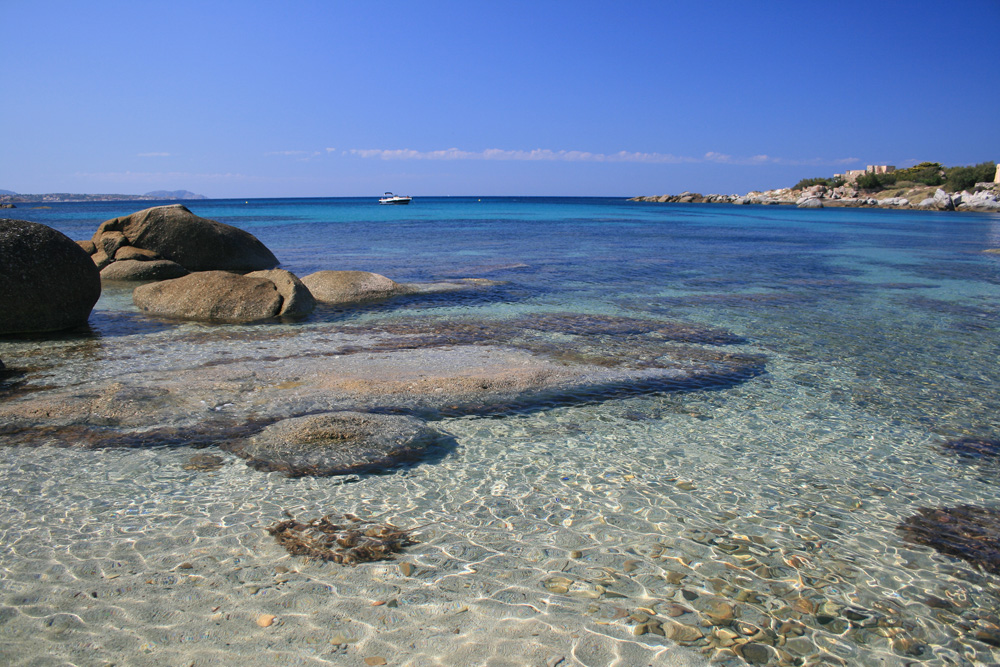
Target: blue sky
point(345, 98)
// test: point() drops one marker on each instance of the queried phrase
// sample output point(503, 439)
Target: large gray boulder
point(335, 443)
point(351, 287)
point(175, 233)
point(216, 296)
point(47, 281)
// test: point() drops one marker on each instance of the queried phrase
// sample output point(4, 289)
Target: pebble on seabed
point(266, 620)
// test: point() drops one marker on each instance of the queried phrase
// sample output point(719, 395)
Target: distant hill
point(174, 194)
point(7, 192)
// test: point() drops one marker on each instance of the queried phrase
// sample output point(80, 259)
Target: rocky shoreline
point(984, 198)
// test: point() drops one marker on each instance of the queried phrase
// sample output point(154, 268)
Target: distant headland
point(927, 186)
point(8, 197)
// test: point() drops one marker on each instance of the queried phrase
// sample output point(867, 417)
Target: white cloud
point(544, 154)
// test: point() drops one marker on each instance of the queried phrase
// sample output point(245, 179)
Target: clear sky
point(541, 97)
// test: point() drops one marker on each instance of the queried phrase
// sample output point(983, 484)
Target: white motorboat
point(390, 198)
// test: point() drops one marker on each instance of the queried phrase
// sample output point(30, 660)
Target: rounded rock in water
point(336, 443)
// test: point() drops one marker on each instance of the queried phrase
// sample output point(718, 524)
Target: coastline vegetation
point(952, 179)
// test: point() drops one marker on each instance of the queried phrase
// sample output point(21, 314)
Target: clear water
point(546, 533)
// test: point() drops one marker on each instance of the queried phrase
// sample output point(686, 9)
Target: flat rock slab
point(227, 386)
point(335, 443)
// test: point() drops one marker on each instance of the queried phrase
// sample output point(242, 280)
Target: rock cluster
point(166, 242)
point(985, 198)
point(47, 283)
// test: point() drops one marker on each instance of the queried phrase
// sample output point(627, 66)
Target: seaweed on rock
point(356, 541)
point(968, 532)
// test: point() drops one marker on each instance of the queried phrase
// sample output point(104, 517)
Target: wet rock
point(968, 532)
point(336, 443)
point(351, 287)
point(47, 281)
point(755, 654)
point(133, 269)
point(198, 244)
point(680, 633)
point(211, 296)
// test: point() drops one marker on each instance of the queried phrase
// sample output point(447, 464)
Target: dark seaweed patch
point(973, 448)
point(968, 532)
point(349, 543)
point(204, 434)
point(977, 271)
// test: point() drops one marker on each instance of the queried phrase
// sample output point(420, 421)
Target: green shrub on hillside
point(809, 182)
point(965, 178)
point(871, 182)
point(926, 173)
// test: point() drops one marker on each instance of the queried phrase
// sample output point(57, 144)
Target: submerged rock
point(968, 532)
point(176, 234)
point(267, 395)
point(335, 443)
point(974, 448)
point(47, 281)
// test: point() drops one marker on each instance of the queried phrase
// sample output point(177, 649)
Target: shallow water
point(762, 514)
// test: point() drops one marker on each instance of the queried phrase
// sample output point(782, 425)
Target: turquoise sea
point(756, 522)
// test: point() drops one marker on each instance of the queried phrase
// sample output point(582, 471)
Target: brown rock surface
point(297, 300)
point(196, 243)
point(134, 269)
point(350, 287)
point(211, 296)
